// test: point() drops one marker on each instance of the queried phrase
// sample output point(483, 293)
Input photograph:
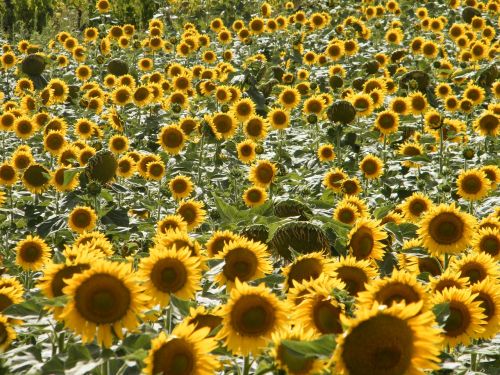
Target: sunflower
point(365, 239)
point(492, 173)
point(307, 267)
point(144, 160)
point(103, 6)
point(170, 271)
point(187, 350)
point(246, 151)
point(32, 253)
point(8, 334)
point(255, 127)
point(400, 105)
point(8, 60)
point(263, 173)
point(487, 240)
point(155, 170)
point(21, 159)
point(244, 260)
point(8, 174)
point(465, 320)
point(363, 103)
point(59, 90)
point(243, 109)
point(473, 185)
point(346, 213)
point(401, 286)
point(288, 360)
point(24, 127)
point(105, 298)
point(489, 299)
point(476, 267)
point(181, 187)
point(172, 139)
point(171, 222)
point(83, 72)
point(387, 122)
point(279, 118)
point(192, 212)
point(371, 166)
point(445, 229)
point(401, 342)
point(333, 179)
point(223, 125)
point(313, 105)
point(351, 186)
point(218, 240)
point(487, 124)
point(10, 295)
point(254, 196)
point(415, 206)
point(448, 279)
point(36, 178)
point(82, 219)
point(474, 93)
point(250, 318)
point(122, 95)
point(289, 98)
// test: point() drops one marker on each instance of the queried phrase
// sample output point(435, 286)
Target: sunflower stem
point(441, 146)
point(158, 213)
point(446, 260)
point(200, 158)
point(473, 361)
point(169, 315)
point(385, 147)
point(246, 365)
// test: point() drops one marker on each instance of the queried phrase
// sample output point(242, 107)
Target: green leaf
point(442, 313)
point(31, 307)
point(322, 347)
point(69, 174)
point(380, 212)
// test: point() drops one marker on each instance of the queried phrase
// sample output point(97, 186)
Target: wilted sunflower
point(445, 229)
point(254, 196)
point(82, 219)
point(415, 206)
point(250, 317)
point(263, 173)
point(473, 185)
point(365, 239)
point(187, 350)
point(103, 299)
point(244, 260)
point(476, 267)
point(402, 341)
point(32, 253)
point(465, 320)
point(371, 166)
point(36, 178)
point(170, 271)
point(487, 240)
point(192, 212)
point(172, 139)
point(401, 286)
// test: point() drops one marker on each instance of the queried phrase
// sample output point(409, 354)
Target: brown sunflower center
point(36, 175)
point(487, 304)
point(305, 269)
point(350, 187)
point(387, 121)
point(169, 275)
point(353, 277)
point(254, 128)
point(102, 299)
point(314, 106)
point(264, 173)
point(471, 184)
point(327, 317)
point(279, 118)
point(188, 213)
point(206, 320)
point(246, 150)
point(81, 218)
point(389, 350)
point(172, 138)
point(254, 195)
point(474, 271)
point(223, 123)
point(175, 357)
point(488, 122)
point(362, 243)
point(240, 263)
point(58, 281)
point(417, 206)
point(288, 97)
point(5, 302)
point(446, 228)
point(179, 186)
point(369, 167)
point(458, 321)
point(30, 252)
point(396, 292)
point(490, 244)
point(252, 315)
point(430, 265)
point(346, 215)
point(244, 109)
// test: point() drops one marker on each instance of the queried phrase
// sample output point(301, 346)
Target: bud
point(312, 118)
point(446, 188)
point(468, 154)
point(176, 108)
point(313, 85)
point(94, 188)
point(100, 59)
point(259, 149)
point(224, 108)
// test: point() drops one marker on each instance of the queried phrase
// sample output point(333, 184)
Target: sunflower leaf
point(322, 347)
point(442, 313)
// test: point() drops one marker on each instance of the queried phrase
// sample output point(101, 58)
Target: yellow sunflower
point(181, 187)
point(254, 196)
point(415, 206)
point(187, 350)
point(8, 333)
point(289, 98)
point(371, 166)
point(465, 320)
point(307, 267)
point(192, 213)
point(255, 127)
point(476, 267)
point(82, 219)
point(243, 109)
point(387, 122)
point(263, 173)
point(218, 240)
point(279, 118)
point(223, 125)
point(250, 318)
point(103, 300)
point(171, 222)
point(32, 253)
point(365, 239)
point(244, 260)
point(445, 229)
point(473, 185)
point(170, 271)
point(489, 299)
point(487, 240)
point(402, 341)
point(36, 178)
point(172, 139)
point(246, 151)
point(326, 153)
point(448, 279)
point(333, 179)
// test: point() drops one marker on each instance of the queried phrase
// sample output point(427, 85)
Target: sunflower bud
point(313, 85)
point(468, 154)
point(94, 188)
point(445, 188)
point(224, 108)
point(312, 119)
point(176, 108)
point(259, 149)
point(100, 59)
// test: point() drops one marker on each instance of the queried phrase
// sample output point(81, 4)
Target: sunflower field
point(244, 187)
